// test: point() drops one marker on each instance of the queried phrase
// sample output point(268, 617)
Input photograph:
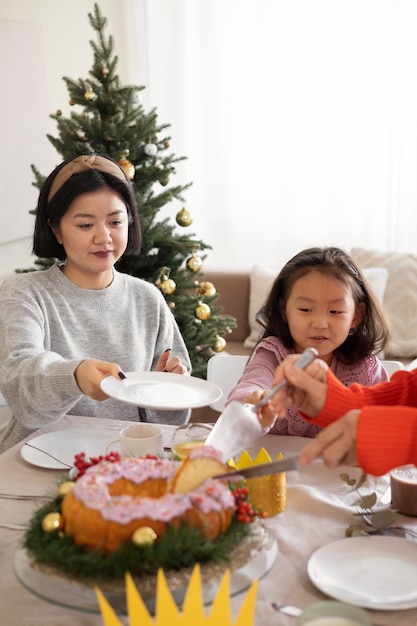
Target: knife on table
point(263, 469)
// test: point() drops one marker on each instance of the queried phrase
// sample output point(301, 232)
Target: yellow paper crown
point(267, 493)
point(167, 612)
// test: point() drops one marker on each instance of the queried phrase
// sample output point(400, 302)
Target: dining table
point(320, 506)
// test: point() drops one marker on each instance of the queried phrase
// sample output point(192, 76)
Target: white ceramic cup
point(332, 613)
point(404, 489)
point(139, 440)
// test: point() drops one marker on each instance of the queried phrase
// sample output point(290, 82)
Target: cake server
point(263, 469)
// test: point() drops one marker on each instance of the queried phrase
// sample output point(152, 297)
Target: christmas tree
point(111, 120)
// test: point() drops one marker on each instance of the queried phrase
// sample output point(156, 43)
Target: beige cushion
point(400, 300)
point(261, 281)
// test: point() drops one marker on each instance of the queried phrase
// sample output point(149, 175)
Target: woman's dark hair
point(49, 213)
point(371, 334)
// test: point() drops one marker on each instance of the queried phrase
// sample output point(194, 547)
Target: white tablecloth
point(318, 512)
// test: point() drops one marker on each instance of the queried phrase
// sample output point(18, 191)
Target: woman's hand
point(91, 372)
point(174, 365)
point(306, 389)
point(266, 414)
point(336, 443)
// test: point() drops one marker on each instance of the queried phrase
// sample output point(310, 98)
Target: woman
point(375, 427)
point(64, 329)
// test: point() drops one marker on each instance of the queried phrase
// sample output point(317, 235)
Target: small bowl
point(331, 613)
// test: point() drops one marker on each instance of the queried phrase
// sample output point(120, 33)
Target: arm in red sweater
point(387, 427)
point(400, 390)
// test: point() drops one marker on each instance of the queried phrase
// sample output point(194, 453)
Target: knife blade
point(264, 469)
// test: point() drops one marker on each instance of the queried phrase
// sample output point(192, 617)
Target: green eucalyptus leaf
point(367, 502)
point(361, 480)
point(383, 519)
point(356, 529)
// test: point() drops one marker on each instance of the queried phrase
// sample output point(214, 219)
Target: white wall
point(59, 32)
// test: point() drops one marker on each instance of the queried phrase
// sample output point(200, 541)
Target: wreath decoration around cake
point(139, 515)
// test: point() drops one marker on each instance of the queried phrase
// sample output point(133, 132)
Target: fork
point(12, 496)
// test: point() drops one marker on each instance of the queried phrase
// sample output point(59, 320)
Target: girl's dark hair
point(372, 333)
point(49, 214)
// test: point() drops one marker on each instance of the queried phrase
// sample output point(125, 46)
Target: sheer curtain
point(298, 119)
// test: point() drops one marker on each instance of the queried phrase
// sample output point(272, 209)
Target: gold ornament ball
point(220, 344)
point(202, 312)
point(144, 536)
point(52, 522)
point(184, 218)
point(128, 168)
point(207, 289)
point(194, 263)
point(167, 286)
point(90, 94)
point(58, 112)
point(65, 488)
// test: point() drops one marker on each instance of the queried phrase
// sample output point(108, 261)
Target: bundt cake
point(112, 500)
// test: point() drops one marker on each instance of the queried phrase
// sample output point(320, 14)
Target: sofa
point(392, 275)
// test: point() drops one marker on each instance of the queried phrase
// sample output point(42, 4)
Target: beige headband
point(83, 164)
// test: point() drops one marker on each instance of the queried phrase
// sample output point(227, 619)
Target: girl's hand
point(89, 374)
point(306, 389)
point(266, 414)
point(336, 443)
point(174, 365)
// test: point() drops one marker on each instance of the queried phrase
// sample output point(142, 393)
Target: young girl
point(62, 330)
point(319, 300)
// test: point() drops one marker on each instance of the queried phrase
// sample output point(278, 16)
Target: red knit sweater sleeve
point(387, 430)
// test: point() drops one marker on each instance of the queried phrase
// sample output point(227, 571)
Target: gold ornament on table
point(183, 217)
point(52, 522)
point(90, 94)
point(194, 263)
point(266, 493)
point(219, 344)
point(206, 289)
point(193, 611)
point(144, 536)
point(202, 311)
point(128, 168)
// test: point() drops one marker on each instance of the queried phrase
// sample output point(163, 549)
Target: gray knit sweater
point(48, 325)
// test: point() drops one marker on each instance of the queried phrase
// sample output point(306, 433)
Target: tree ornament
point(206, 289)
point(202, 312)
point(71, 102)
point(164, 182)
point(65, 487)
point(167, 286)
point(52, 522)
point(150, 149)
point(58, 112)
point(183, 217)
point(194, 263)
point(171, 306)
point(220, 344)
point(89, 94)
point(167, 143)
point(144, 536)
point(105, 72)
point(128, 168)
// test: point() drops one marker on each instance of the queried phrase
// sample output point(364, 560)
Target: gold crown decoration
point(266, 493)
point(168, 614)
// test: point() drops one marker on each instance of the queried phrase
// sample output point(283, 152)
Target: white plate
point(64, 445)
point(162, 390)
point(374, 572)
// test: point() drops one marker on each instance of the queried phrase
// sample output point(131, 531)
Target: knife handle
point(305, 359)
